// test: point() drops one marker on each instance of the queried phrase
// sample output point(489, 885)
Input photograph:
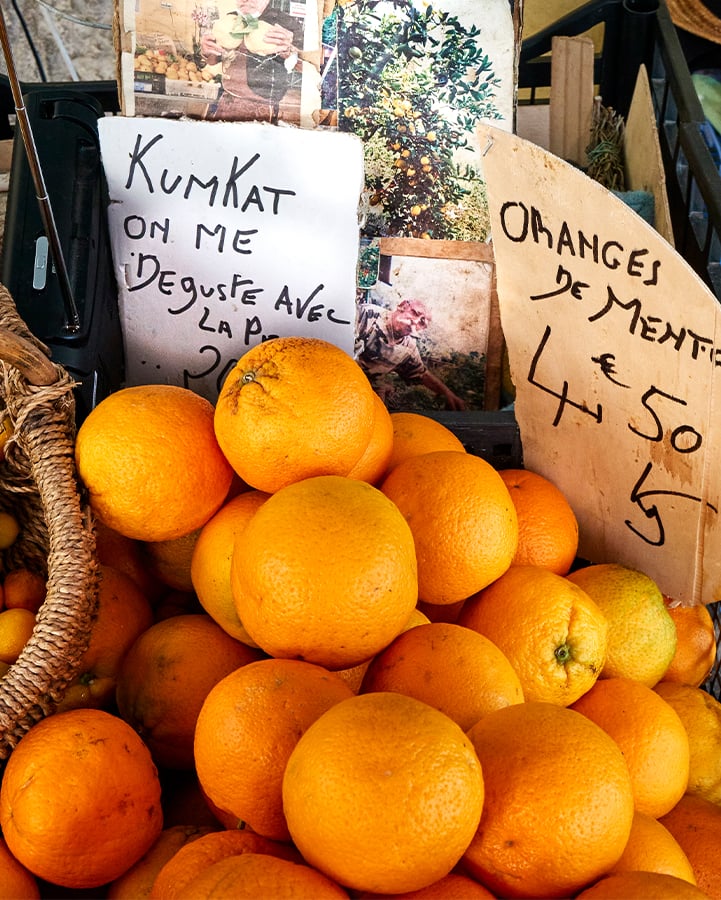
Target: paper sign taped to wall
point(224, 235)
point(615, 350)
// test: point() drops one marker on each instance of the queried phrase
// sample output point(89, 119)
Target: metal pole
point(71, 310)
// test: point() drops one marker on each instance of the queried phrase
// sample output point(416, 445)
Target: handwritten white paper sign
point(225, 234)
point(615, 351)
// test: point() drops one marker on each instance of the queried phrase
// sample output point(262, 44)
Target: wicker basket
point(38, 485)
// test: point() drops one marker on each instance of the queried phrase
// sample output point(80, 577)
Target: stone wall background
point(73, 39)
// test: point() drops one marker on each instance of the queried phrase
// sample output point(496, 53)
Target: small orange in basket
point(383, 793)
point(415, 434)
point(211, 561)
point(16, 882)
point(80, 799)
point(24, 589)
point(651, 847)
point(455, 669)
point(696, 824)
point(547, 526)
point(559, 803)
point(137, 882)
point(651, 735)
point(700, 713)
point(166, 675)
point(190, 860)
point(372, 465)
point(150, 461)
point(325, 571)
point(557, 643)
point(292, 408)
point(248, 726)
point(16, 626)
point(124, 612)
point(251, 876)
point(642, 886)
point(641, 633)
point(696, 644)
point(463, 521)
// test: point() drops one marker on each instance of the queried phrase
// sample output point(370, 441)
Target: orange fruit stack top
point(293, 408)
point(325, 571)
point(150, 461)
point(650, 734)
point(559, 803)
point(80, 799)
point(463, 521)
point(383, 793)
point(547, 525)
point(455, 669)
point(415, 434)
point(695, 646)
point(641, 633)
point(557, 640)
point(247, 727)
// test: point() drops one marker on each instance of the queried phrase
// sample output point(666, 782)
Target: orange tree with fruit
point(413, 82)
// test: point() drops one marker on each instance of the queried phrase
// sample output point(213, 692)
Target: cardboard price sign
point(227, 234)
point(615, 351)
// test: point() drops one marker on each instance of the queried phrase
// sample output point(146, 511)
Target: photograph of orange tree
point(413, 81)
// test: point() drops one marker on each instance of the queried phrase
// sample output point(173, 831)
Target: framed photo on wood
point(428, 331)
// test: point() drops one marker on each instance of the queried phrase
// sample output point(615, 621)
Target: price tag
point(615, 350)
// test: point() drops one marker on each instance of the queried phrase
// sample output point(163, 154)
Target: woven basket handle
point(33, 364)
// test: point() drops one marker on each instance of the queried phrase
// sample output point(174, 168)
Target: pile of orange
point(337, 655)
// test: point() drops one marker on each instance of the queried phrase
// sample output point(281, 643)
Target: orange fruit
point(551, 631)
point(696, 824)
point(547, 525)
point(373, 464)
point(463, 521)
point(211, 561)
point(383, 793)
point(325, 571)
point(651, 736)
point(695, 646)
point(248, 726)
point(24, 589)
point(80, 799)
point(254, 875)
point(641, 633)
point(137, 882)
point(559, 802)
point(292, 408)
point(124, 612)
point(191, 859)
point(16, 626)
point(415, 434)
point(354, 676)
point(169, 561)
point(652, 848)
point(642, 886)
point(16, 882)
point(166, 676)
point(452, 668)
point(128, 556)
point(453, 886)
point(700, 713)
point(150, 461)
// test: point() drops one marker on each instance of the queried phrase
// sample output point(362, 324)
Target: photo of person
point(258, 47)
point(387, 342)
point(427, 330)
